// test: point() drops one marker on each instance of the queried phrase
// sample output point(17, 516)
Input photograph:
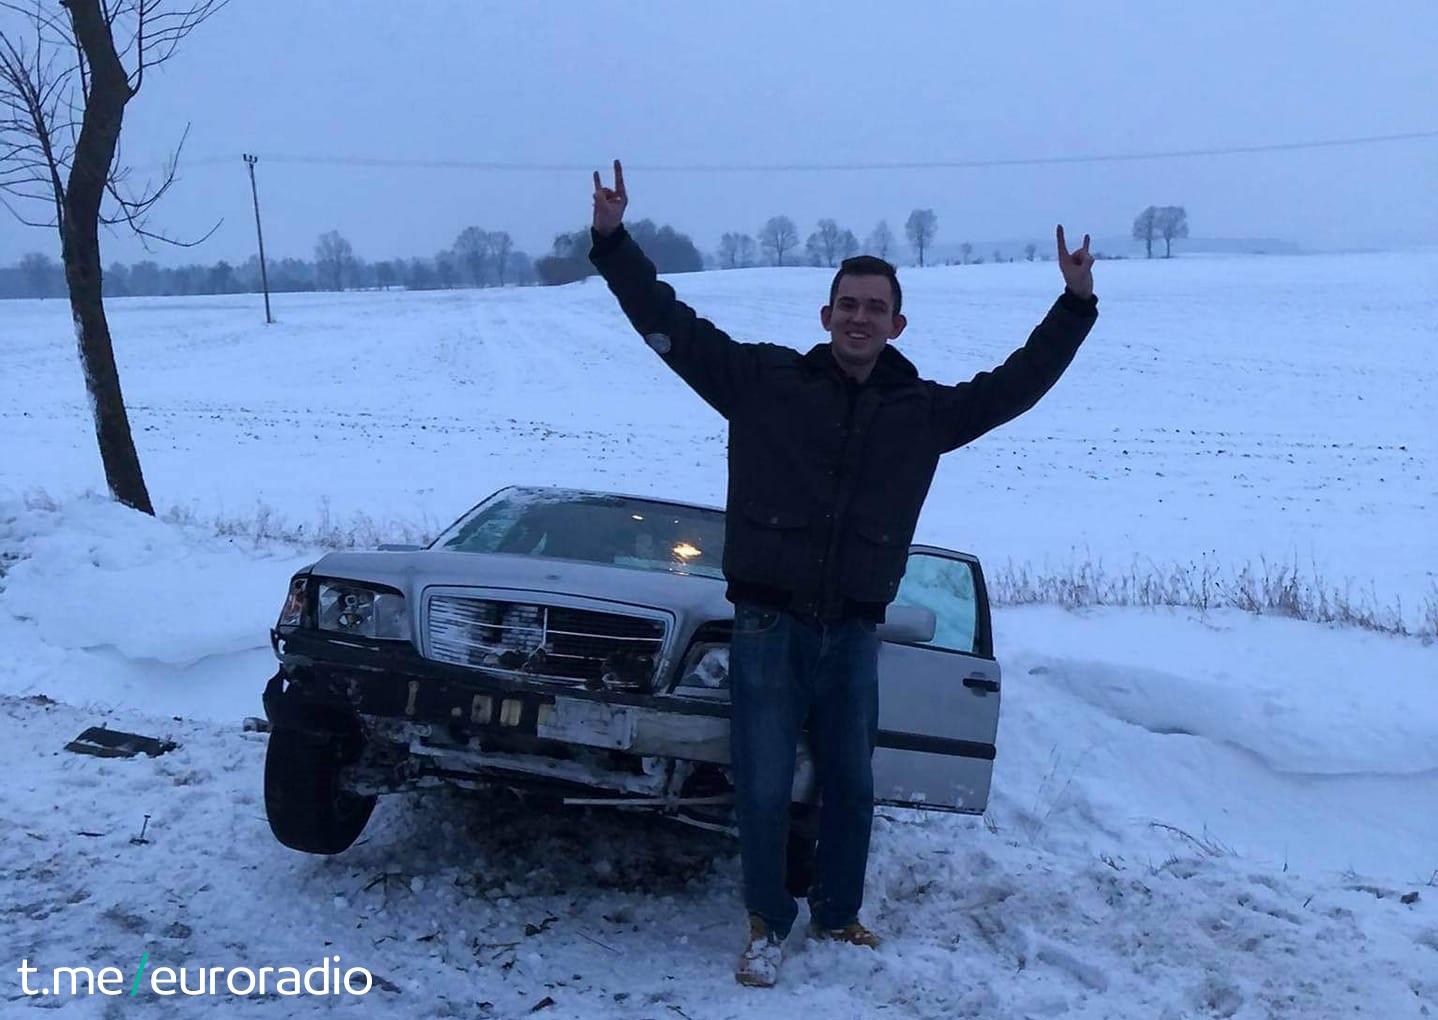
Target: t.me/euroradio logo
point(326, 978)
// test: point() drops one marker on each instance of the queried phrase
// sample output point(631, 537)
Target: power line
point(960, 164)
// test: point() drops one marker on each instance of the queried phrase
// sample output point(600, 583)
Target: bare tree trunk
point(80, 243)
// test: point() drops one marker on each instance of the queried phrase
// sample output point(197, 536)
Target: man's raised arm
point(715, 366)
point(989, 399)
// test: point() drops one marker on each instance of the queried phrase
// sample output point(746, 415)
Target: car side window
point(944, 586)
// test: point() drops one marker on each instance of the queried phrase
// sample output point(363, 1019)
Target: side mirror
point(907, 624)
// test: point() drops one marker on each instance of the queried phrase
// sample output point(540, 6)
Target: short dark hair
point(868, 265)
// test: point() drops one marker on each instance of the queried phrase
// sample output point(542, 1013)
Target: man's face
point(861, 320)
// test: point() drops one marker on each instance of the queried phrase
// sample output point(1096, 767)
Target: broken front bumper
point(464, 721)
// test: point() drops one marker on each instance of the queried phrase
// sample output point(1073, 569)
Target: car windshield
point(617, 530)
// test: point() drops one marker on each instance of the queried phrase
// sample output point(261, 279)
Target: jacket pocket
point(874, 561)
point(771, 545)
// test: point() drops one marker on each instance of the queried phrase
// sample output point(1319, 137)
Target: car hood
point(690, 595)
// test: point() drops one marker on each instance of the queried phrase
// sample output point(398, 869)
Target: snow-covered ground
point(1193, 815)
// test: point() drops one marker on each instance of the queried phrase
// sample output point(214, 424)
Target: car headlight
point(362, 611)
point(706, 668)
point(293, 613)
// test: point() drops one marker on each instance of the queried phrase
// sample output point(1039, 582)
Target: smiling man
point(831, 454)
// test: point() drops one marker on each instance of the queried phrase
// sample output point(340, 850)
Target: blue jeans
point(782, 674)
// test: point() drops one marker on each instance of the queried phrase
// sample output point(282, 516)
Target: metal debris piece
point(103, 743)
point(140, 840)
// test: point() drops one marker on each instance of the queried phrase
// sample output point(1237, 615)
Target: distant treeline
point(39, 276)
point(486, 258)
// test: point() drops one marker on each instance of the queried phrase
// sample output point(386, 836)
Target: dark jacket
point(827, 476)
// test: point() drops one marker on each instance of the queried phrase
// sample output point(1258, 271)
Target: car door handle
point(982, 684)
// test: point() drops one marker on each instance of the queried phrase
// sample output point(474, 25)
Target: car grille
point(561, 644)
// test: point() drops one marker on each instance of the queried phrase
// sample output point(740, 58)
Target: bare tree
point(965, 251)
point(778, 236)
point(501, 247)
point(921, 228)
point(881, 239)
point(848, 244)
point(815, 250)
point(748, 251)
point(66, 76)
point(40, 274)
point(473, 248)
point(729, 251)
point(446, 269)
point(823, 243)
point(1172, 223)
point(1145, 228)
point(736, 251)
point(334, 261)
point(1029, 250)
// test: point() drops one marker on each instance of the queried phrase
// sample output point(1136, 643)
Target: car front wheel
point(307, 809)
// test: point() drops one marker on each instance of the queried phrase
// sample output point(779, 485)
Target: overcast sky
point(665, 85)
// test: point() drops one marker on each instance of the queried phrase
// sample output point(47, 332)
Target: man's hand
point(609, 204)
point(1077, 267)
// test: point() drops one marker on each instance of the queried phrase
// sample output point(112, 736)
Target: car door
point(939, 699)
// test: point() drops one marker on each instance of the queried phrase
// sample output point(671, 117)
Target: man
point(831, 454)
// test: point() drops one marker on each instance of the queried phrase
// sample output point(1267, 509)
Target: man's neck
point(859, 373)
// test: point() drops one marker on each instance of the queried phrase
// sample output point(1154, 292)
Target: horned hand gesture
point(609, 203)
point(1077, 267)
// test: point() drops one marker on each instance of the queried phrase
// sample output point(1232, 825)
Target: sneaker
point(854, 934)
point(758, 965)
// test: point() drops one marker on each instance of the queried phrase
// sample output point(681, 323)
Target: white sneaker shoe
point(758, 965)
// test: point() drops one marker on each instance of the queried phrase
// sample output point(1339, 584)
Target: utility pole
point(264, 276)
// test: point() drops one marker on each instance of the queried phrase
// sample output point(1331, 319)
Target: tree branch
point(31, 93)
point(29, 223)
point(158, 32)
point(46, 88)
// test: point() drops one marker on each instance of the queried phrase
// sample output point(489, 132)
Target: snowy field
point(1194, 815)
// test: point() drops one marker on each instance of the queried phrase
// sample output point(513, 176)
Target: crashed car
point(574, 645)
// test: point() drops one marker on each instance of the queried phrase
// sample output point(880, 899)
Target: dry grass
point(1266, 589)
point(1206, 845)
point(357, 531)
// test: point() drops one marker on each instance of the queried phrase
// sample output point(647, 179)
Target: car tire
point(307, 809)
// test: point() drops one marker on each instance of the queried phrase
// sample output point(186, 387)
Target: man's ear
point(824, 315)
point(899, 323)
